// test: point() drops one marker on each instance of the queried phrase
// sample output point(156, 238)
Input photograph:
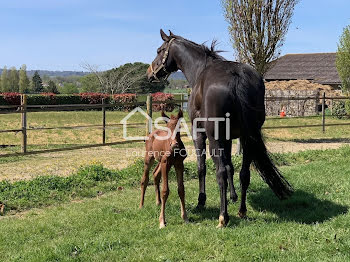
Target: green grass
point(311, 226)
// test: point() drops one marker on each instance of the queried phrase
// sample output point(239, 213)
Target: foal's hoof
point(162, 225)
point(222, 222)
point(242, 214)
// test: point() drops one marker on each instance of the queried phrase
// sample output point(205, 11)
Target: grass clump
point(88, 181)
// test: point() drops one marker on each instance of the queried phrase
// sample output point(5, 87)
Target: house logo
point(124, 121)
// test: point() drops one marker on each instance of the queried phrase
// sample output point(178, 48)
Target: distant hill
point(55, 73)
point(177, 76)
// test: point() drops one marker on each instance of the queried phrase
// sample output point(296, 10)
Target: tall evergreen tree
point(23, 80)
point(52, 88)
point(4, 81)
point(37, 83)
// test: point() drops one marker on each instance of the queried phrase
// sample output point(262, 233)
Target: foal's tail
point(266, 168)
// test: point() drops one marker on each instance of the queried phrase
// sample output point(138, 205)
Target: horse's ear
point(164, 36)
point(171, 34)
point(164, 115)
point(180, 114)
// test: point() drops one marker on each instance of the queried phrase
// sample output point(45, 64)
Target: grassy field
point(49, 139)
point(311, 226)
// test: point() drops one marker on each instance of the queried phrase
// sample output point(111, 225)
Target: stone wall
point(305, 107)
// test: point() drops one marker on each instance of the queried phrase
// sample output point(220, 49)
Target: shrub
point(10, 99)
point(93, 98)
point(119, 99)
point(339, 109)
point(166, 102)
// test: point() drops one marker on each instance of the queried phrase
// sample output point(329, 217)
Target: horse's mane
point(209, 51)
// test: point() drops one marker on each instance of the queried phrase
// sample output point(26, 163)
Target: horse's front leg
point(218, 156)
point(149, 160)
point(179, 168)
point(200, 146)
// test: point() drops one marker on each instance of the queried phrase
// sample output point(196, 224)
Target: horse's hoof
point(222, 222)
point(158, 203)
point(242, 214)
point(162, 225)
point(186, 220)
point(201, 200)
point(234, 198)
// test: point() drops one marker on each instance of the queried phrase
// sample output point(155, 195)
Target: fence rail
point(23, 109)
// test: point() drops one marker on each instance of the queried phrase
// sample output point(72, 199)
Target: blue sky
point(62, 34)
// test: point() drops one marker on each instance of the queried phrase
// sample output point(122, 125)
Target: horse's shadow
point(302, 207)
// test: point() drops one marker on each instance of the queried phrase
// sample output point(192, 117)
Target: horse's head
point(164, 63)
point(172, 124)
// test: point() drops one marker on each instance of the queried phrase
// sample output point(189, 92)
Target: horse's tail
point(250, 92)
point(266, 168)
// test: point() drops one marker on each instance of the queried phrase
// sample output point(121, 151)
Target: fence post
point(149, 113)
point(103, 122)
point(24, 123)
point(324, 112)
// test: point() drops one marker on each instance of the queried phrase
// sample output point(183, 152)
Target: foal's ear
point(164, 36)
point(165, 116)
point(180, 114)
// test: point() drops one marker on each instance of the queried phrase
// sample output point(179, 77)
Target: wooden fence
point(24, 109)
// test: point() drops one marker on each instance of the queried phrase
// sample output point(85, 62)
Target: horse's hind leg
point(165, 167)
point(244, 177)
point(219, 158)
point(230, 170)
point(156, 177)
point(179, 168)
point(145, 178)
point(200, 146)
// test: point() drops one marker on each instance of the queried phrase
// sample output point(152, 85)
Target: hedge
point(88, 98)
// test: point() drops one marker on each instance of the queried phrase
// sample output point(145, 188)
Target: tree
point(128, 78)
point(90, 83)
point(343, 58)
point(23, 80)
point(4, 81)
point(37, 83)
point(68, 88)
point(52, 88)
point(13, 80)
point(258, 29)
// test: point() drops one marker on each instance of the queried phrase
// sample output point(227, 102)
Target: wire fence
point(24, 109)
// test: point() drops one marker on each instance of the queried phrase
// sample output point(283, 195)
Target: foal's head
point(172, 124)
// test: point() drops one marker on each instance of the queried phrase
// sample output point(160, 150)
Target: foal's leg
point(244, 177)
point(156, 177)
point(165, 167)
point(179, 167)
point(144, 181)
point(200, 146)
point(230, 170)
point(219, 158)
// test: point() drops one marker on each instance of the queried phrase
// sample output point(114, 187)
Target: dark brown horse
point(166, 147)
point(226, 90)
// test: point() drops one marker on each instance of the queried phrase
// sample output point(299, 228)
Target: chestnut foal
point(168, 152)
